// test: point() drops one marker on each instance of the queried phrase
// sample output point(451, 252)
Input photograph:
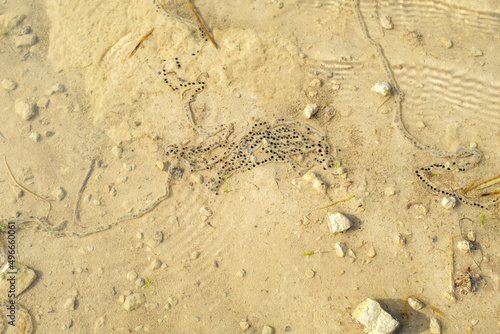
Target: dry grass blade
point(200, 21)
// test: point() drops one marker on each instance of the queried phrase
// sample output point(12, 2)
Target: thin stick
point(82, 189)
point(336, 202)
point(140, 42)
point(26, 189)
point(200, 21)
point(484, 184)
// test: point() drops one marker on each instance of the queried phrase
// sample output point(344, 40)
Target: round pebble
point(8, 84)
point(382, 88)
point(449, 202)
point(117, 151)
point(415, 303)
point(24, 109)
point(310, 273)
point(131, 276)
point(241, 273)
point(59, 193)
point(155, 264)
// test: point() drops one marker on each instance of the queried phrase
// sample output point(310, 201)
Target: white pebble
point(310, 110)
point(241, 273)
point(244, 325)
point(382, 88)
point(434, 326)
point(374, 318)
point(471, 236)
point(316, 83)
point(464, 246)
point(267, 330)
point(337, 222)
point(340, 249)
point(415, 304)
point(24, 109)
point(449, 202)
point(386, 22)
point(26, 40)
point(476, 52)
point(35, 136)
point(8, 84)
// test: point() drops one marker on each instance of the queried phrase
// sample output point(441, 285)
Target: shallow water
point(274, 58)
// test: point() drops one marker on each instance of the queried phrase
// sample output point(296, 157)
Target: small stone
point(99, 323)
point(134, 301)
point(196, 178)
point(415, 304)
point(23, 276)
point(205, 213)
point(194, 255)
point(310, 273)
point(450, 296)
point(129, 167)
point(158, 236)
point(476, 52)
point(155, 264)
point(96, 202)
point(267, 330)
point(464, 246)
point(371, 252)
point(59, 193)
point(43, 102)
point(337, 222)
point(161, 165)
point(58, 88)
point(434, 326)
point(172, 301)
point(139, 283)
point(382, 88)
point(374, 318)
point(8, 84)
point(449, 202)
point(401, 239)
point(132, 275)
point(389, 191)
point(69, 304)
point(24, 109)
point(351, 253)
point(117, 151)
point(340, 249)
point(386, 22)
point(472, 144)
point(420, 125)
point(446, 42)
point(35, 136)
point(310, 110)
point(26, 40)
point(241, 273)
point(316, 83)
point(474, 322)
point(471, 236)
point(140, 235)
point(244, 325)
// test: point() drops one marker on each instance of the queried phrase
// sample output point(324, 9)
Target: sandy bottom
point(244, 259)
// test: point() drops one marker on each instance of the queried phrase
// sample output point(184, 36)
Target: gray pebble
point(8, 84)
point(24, 109)
point(26, 40)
